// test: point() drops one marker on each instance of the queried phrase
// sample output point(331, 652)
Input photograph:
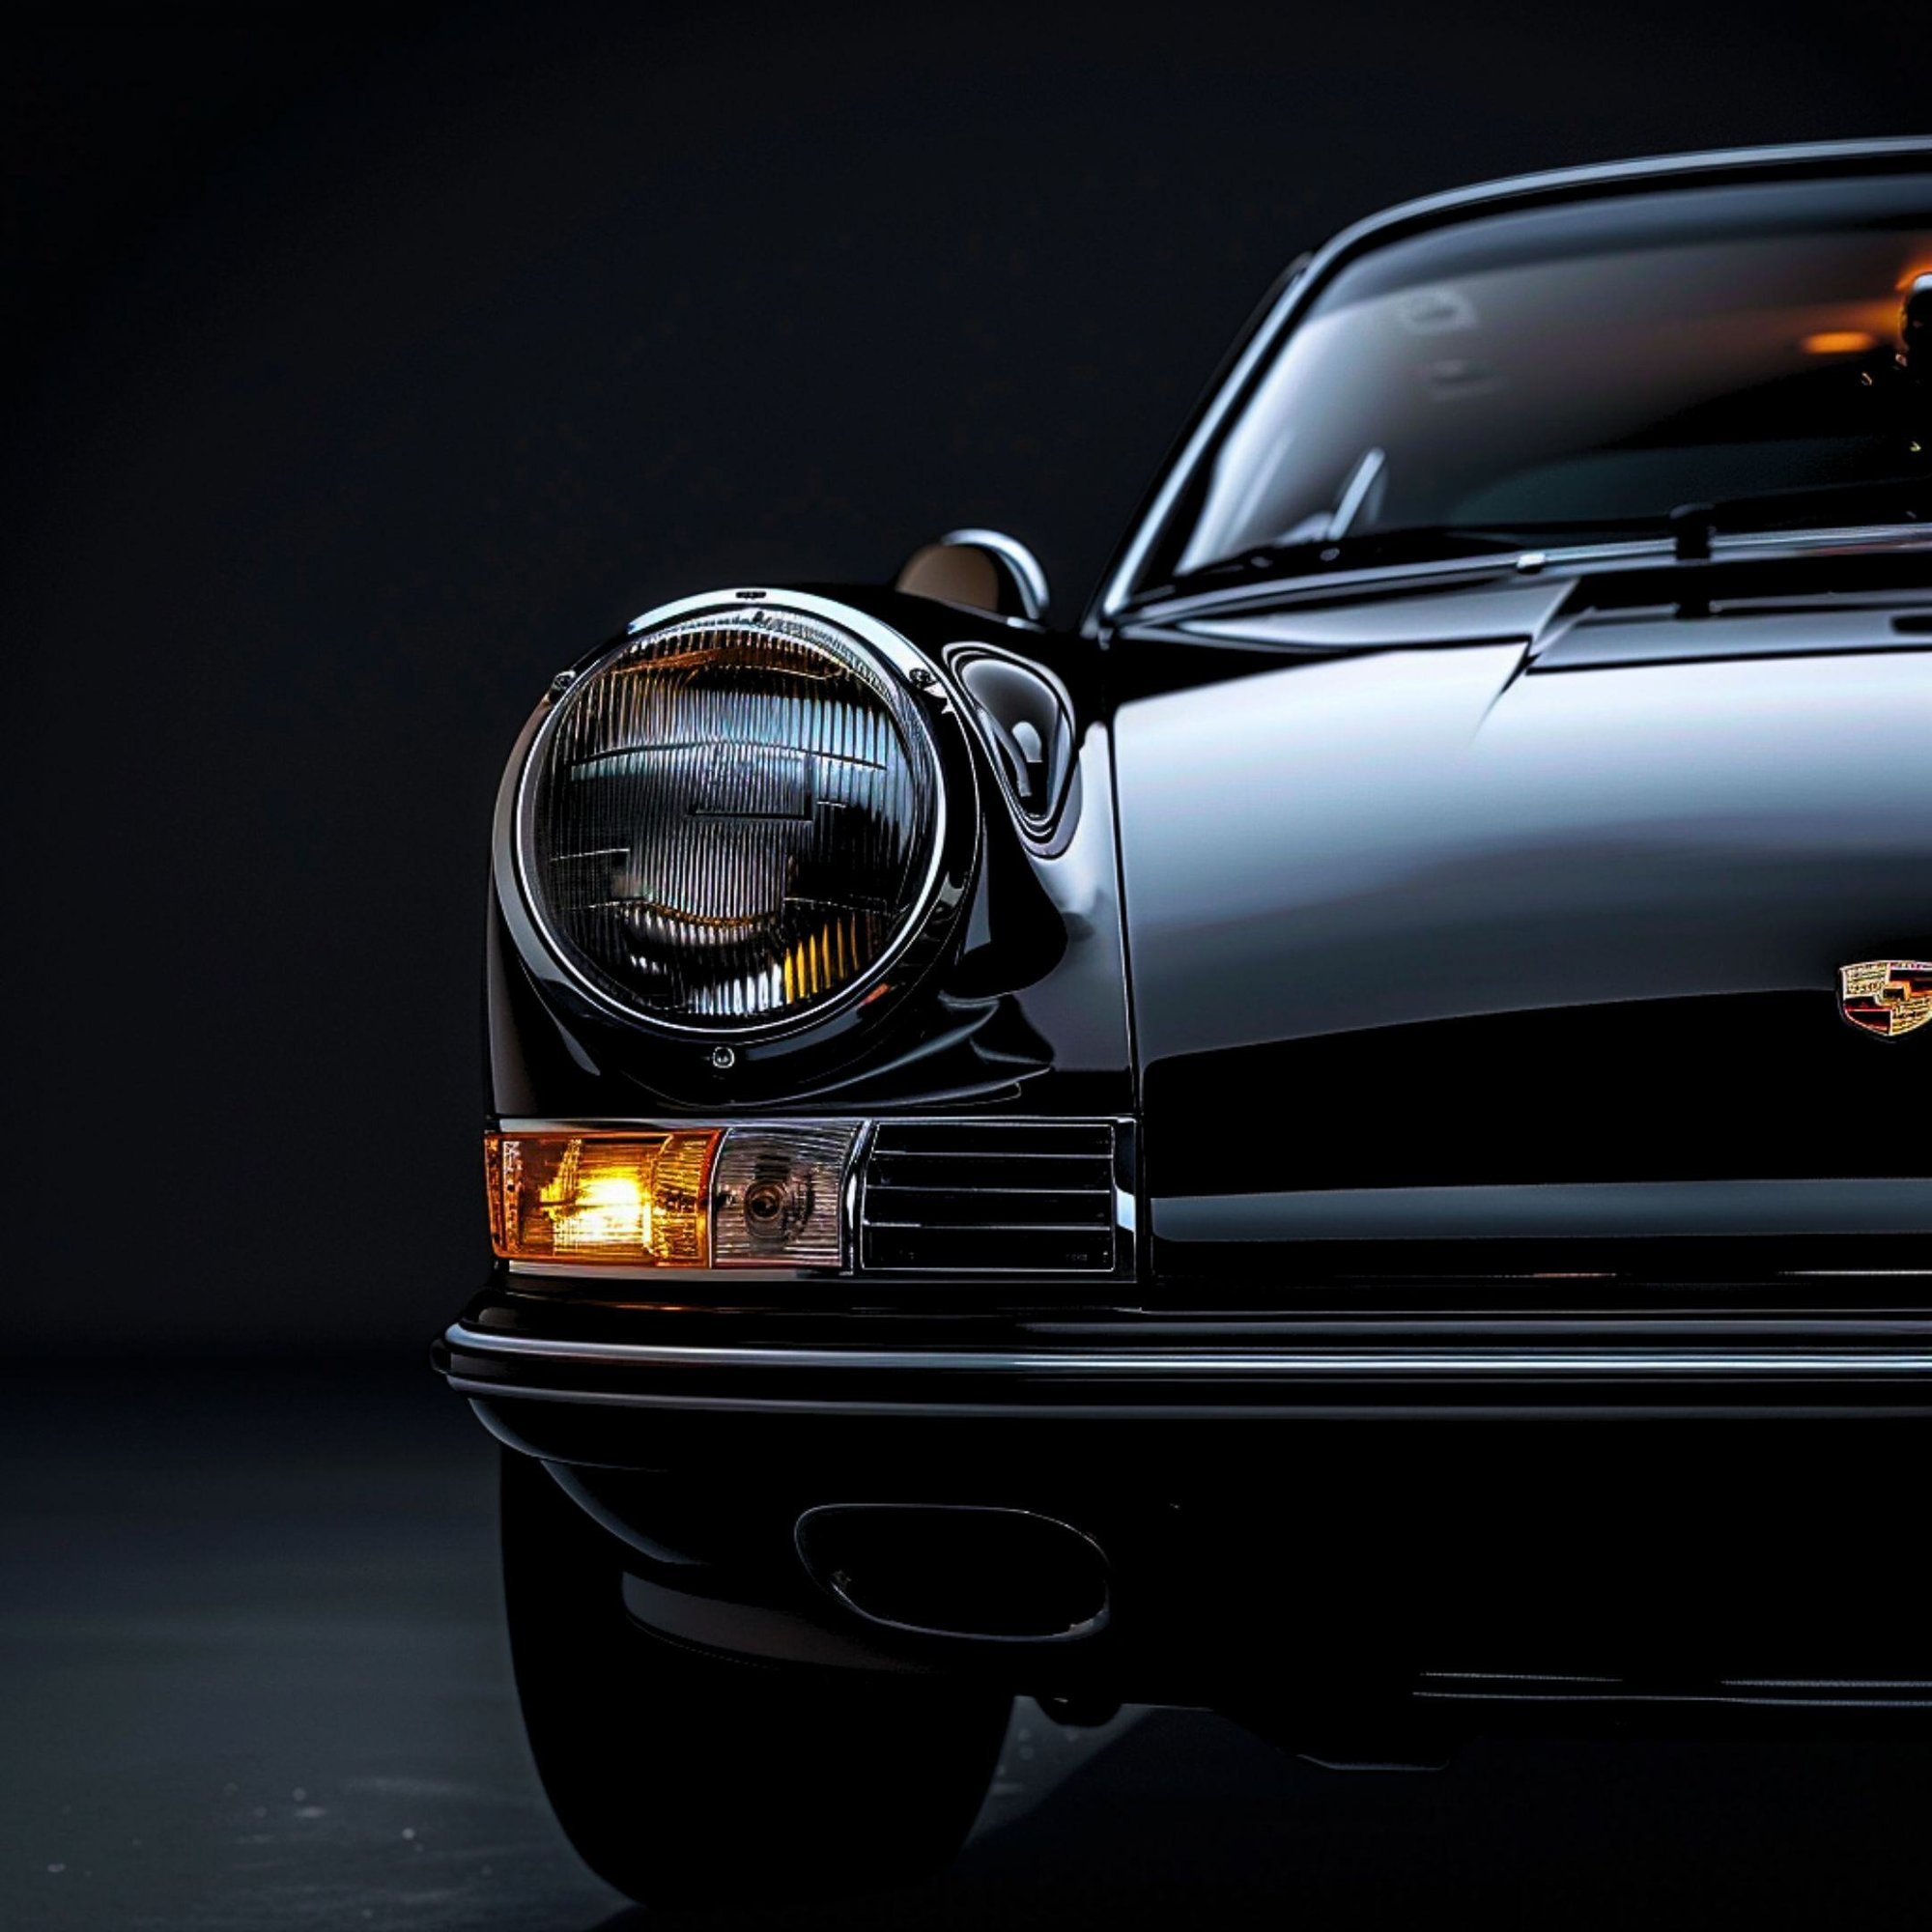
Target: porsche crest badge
point(1887, 997)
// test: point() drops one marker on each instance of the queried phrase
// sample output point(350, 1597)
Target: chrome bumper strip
point(1218, 1364)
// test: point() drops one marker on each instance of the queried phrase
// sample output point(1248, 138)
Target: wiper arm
point(1888, 500)
point(1423, 543)
point(1691, 526)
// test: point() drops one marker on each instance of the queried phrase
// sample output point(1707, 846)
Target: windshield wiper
point(1690, 528)
point(1889, 499)
point(1885, 499)
point(1308, 556)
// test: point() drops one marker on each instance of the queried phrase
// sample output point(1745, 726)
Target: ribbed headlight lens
point(733, 821)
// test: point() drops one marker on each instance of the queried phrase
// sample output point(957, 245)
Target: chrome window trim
point(1709, 166)
point(897, 656)
point(1208, 1364)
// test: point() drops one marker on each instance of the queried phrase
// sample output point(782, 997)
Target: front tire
point(686, 1778)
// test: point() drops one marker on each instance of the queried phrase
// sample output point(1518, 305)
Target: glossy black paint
point(1464, 941)
point(1546, 892)
point(1416, 835)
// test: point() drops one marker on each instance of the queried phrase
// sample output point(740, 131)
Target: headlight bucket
point(749, 817)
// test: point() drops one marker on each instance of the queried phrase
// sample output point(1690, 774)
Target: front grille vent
point(1007, 1197)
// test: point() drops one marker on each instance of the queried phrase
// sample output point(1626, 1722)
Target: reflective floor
point(253, 1675)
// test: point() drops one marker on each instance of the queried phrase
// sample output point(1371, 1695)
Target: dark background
point(366, 366)
point(361, 368)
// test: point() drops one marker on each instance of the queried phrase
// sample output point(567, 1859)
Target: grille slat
point(941, 1172)
point(937, 1208)
point(1004, 1197)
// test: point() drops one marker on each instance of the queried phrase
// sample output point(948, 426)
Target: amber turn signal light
point(600, 1197)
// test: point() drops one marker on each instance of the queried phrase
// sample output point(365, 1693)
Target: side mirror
point(985, 570)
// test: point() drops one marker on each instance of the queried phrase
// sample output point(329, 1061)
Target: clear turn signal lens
point(777, 1197)
point(769, 1196)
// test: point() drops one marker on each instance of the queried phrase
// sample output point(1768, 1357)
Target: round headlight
point(733, 821)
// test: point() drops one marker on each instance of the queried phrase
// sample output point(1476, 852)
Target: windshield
point(1587, 366)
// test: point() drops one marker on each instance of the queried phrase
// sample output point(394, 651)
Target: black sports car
point(1345, 1139)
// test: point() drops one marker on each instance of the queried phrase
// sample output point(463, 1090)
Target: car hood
point(1446, 897)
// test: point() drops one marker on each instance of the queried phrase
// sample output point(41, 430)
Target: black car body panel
point(1470, 904)
point(1443, 951)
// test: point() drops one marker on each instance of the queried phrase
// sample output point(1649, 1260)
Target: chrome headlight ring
point(872, 952)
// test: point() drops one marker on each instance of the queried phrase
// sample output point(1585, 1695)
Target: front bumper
point(1279, 1503)
point(508, 1351)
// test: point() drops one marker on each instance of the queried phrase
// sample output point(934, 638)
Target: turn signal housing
point(766, 1196)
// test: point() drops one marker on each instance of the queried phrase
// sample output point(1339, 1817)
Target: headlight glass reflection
point(732, 822)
